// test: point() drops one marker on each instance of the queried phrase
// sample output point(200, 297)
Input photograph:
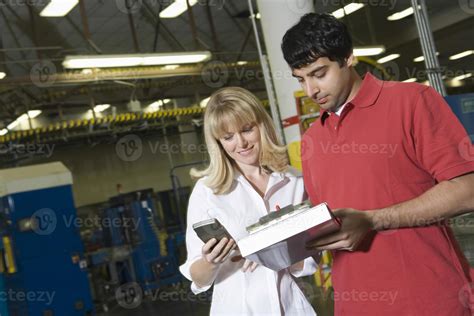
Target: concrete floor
point(183, 302)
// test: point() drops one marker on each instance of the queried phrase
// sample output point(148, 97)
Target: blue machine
point(44, 267)
point(463, 106)
point(155, 262)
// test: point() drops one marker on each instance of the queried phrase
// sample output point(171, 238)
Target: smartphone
point(210, 228)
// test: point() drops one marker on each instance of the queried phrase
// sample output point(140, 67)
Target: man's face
point(326, 82)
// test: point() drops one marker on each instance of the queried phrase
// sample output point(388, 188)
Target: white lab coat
point(264, 291)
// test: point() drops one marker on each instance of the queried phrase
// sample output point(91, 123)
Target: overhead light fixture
point(462, 77)
point(170, 67)
point(34, 113)
point(242, 62)
point(2, 75)
point(3, 132)
point(347, 9)
point(23, 118)
point(57, 8)
point(401, 14)
point(176, 8)
point(410, 80)
point(461, 55)
point(101, 108)
point(134, 60)
point(421, 58)
point(368, 51)
point(388, 58)
point(155, 106)
point(204, 102)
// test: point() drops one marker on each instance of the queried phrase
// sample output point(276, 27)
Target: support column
point(277, 16)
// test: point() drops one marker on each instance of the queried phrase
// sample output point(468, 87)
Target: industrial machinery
point(43, 267)
point(136, 248)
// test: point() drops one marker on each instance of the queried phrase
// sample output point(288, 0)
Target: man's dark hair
point(316, 35)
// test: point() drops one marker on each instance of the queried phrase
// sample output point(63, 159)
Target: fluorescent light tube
point(421, 58)
point(461, 55)
point(170, 67)
point(388, 58)
point(348, 9)
point(462, 77)
point(2, 75)
point(176, 8)
point(157, 104)
point(368, 50)
point(410, 80)
point(204, 102)
point(57, 8)
point(401, 14)
point(134, 60)
point(101, 108)
point(34, 113)
point(3, 132)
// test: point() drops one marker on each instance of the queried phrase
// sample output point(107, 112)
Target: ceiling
point(28, 42)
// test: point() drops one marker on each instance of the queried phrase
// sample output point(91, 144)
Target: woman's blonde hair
point(235, 107)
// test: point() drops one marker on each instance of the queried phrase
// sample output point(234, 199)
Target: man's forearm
point(445, 200)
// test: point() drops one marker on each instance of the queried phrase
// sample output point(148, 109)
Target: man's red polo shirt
point(392, 142)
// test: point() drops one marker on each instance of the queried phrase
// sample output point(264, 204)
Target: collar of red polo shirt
point(367, 96)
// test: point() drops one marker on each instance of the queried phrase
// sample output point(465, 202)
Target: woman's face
point(242, 144)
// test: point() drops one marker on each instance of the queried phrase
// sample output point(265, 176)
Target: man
point(388, 155)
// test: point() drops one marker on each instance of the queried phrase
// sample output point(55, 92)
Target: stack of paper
point(279, 240)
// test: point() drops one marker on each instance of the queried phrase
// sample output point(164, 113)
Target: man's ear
point(350, 60)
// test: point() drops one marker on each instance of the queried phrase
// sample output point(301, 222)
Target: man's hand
point(355, 225)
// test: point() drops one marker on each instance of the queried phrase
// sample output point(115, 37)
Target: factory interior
point(101, 121)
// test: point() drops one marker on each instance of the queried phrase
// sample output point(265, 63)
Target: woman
point(248, 176)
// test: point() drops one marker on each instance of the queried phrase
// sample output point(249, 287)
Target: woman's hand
point(217, 252)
